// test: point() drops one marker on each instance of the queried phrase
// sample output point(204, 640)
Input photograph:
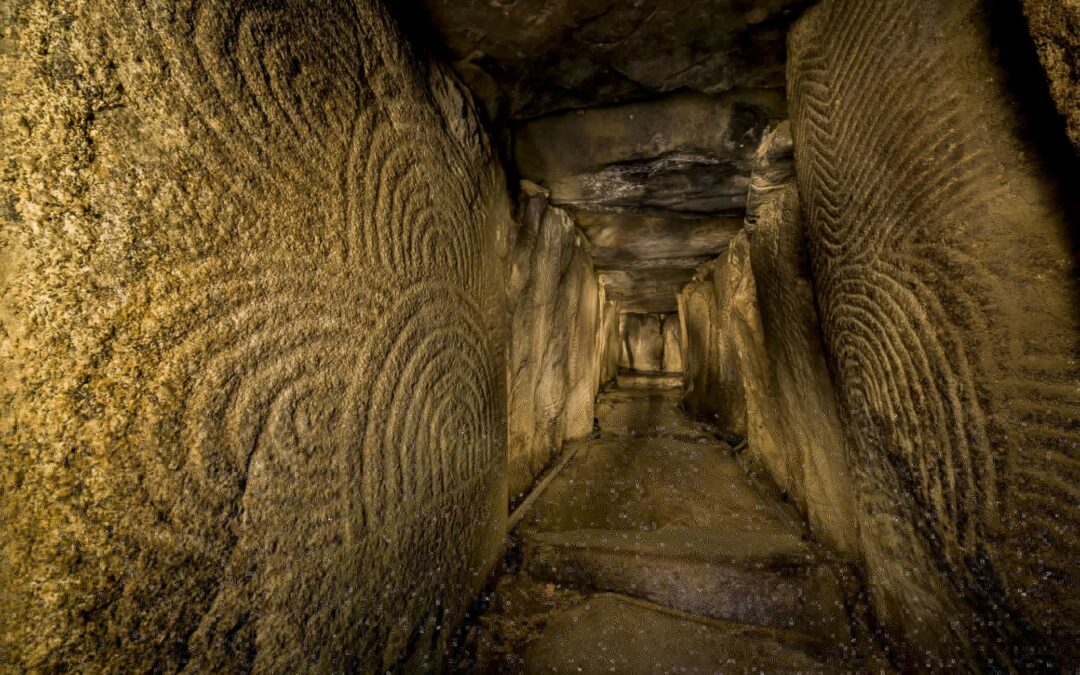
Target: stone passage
point(744, 334)
point(650, 342)
point(653, 551)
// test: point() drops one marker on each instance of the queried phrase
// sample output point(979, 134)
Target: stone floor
point(653, 551)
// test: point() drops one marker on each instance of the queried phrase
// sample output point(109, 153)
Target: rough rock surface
point(805, 419)
point(650, 342)
point(686, 154)
point(646, 290)
point(771, 326)
point(642, 342)
point(611, 339)
point(714, 387)
point(761, 335)
point(672, 343)
point(550, 55)
point(623, 241)
point(773, 170)
point(557, 347)
point(613, 634)
point(729, 372)
point(946, 284)
point(252, 340)
point(1055, 27)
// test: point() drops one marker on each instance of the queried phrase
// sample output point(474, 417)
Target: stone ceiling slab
point(646, 290)
point(685, 154)
point(551, 55)
point(646, 260)
point(623, 240)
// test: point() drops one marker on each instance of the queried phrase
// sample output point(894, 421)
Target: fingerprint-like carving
point(882, 318)
point(916, 210)
point(402, 222)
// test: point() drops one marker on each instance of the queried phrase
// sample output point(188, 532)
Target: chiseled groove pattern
point(439, 355)
point(902, 181)
point(296, 355)
point(880, 320)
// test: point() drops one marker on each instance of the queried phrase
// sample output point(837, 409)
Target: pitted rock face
point(254, 389)
point(548, 56)
point(1055, 27)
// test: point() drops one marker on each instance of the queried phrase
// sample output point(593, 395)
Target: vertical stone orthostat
point(253, 332)
point(556, 355)
point(946, 286)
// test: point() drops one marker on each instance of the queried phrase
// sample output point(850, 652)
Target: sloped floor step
point(612, 634)
point(629, 379)
point(767, 580)
point(653, 551)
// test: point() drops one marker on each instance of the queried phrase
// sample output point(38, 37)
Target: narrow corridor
point(498, 336)
point(654, 551)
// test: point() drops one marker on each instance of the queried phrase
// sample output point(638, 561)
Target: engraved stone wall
point(946, 285)
point(252, 337)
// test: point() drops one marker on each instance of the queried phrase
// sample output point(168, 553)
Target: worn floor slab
point(613, 634)
point(653, 551)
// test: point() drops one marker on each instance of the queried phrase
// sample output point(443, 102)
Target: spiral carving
point(259, 335)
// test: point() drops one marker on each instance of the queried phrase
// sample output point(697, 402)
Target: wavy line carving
point(924, 229)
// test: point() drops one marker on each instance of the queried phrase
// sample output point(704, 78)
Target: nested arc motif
point(345, 313)
point(402, 221)
point(432, 401)
point(276, 329)
point(879, 215)
point(402, 227)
